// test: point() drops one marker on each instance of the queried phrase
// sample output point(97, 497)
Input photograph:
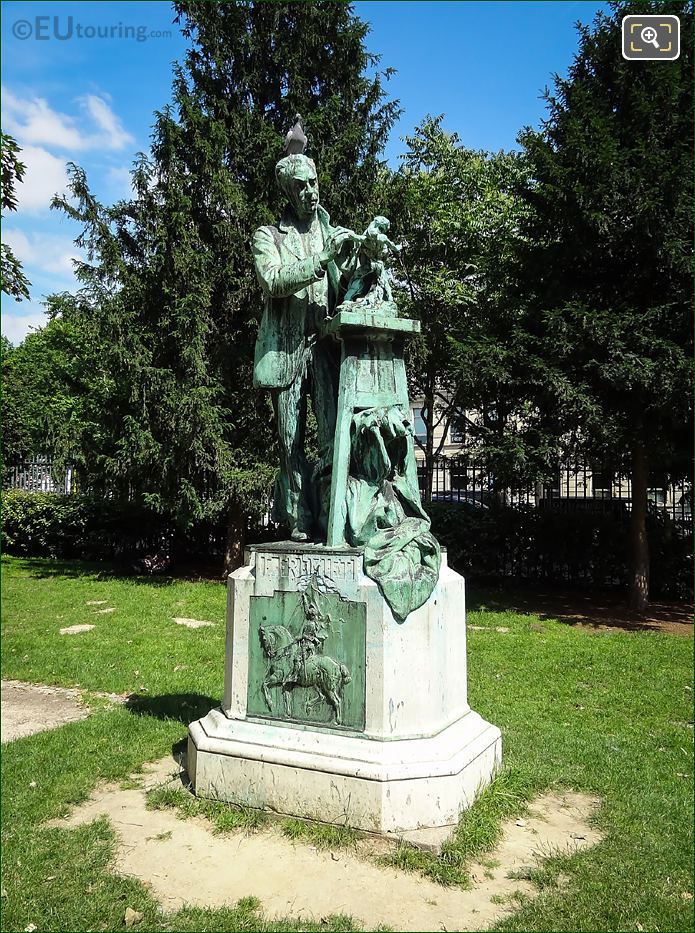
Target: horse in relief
point(292, 665)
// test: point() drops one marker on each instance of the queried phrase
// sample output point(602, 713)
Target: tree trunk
point(236, 537)
point(639, 569)
point(429, 443)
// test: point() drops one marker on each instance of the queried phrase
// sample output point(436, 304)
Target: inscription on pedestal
point(307, 653)
point(296, 566)
point(291, 570)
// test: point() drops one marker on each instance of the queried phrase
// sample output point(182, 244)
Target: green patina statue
point(330, 328)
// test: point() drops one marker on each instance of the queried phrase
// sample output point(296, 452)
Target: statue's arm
point(280, 280)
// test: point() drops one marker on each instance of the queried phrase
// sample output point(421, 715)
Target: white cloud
point(113, 134)
point(48, 253)
point(33, 122)
point(16, 324)
point(44, 177)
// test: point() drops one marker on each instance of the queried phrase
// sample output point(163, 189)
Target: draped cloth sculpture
point(385, 514)
point(310, 272)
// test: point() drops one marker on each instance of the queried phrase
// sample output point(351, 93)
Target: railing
point(573, 489)
point(37, 475)
point(463, 479)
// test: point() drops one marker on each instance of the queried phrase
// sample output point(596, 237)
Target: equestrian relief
point(299, 661)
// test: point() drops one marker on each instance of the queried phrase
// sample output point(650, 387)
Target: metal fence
point(574, 488)
point(38, 475)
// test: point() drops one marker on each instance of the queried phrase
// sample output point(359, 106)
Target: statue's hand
point(337, 240)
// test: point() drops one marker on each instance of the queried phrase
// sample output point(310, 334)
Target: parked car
point(461, 497)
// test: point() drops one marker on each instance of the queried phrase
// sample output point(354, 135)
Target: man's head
point(296, 178)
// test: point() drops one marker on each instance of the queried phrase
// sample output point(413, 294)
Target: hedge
point(486, 543)
point(43, 524)
point(546, 546)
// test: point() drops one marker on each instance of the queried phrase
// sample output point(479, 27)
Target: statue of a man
point(303, 265)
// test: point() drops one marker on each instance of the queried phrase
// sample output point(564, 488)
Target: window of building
point(602, 485)
point(457, 431)
point(419, 428)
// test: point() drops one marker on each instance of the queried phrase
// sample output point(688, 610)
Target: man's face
point(304, 194)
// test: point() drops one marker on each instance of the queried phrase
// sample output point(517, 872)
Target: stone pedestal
point(373, 729)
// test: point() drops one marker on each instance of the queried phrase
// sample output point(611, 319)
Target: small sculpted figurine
point(369, 286)
point(304, 265)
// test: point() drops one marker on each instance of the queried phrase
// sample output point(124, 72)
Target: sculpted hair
point(292, 166)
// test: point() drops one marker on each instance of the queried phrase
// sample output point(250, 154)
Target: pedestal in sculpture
point(375, 732)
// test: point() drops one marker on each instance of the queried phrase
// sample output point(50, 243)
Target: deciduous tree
point(14, 282)
point(458, 212)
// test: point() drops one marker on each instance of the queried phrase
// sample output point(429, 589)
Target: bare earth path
point(182, 862)
point(30, 708)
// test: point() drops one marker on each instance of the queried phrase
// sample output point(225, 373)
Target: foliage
point(88, 526)
point(549, 546)
point(492, 543)
point(53, 525)
point(52, 385)
point(14, 282)
point(606, 256)
point(459, 214)
point(169, 291)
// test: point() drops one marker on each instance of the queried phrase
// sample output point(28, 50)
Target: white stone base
point(338, 778)
point(423, 754)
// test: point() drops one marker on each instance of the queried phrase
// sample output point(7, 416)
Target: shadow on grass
point(596, 608)
point(178, 707)
point(41, 568)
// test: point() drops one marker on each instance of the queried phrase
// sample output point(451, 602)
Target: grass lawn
point(605, 712)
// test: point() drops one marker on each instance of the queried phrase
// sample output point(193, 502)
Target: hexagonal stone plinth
point(332, 710)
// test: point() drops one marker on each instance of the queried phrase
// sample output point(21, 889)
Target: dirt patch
point(193, 623)
point(30, 708)
point(182, 862)
point(76, 629)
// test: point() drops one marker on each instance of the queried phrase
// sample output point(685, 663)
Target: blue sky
point(78, 96)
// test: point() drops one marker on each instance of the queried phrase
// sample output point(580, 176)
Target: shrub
point(548, 546)
point(51, 525)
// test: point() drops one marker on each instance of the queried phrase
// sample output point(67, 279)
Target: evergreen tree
point(169, 291)
point(607, 261)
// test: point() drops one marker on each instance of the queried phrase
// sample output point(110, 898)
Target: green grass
point(224, 817)
point(605, 712)
point(478, 831)
point(138, 648)
point(321, 835)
